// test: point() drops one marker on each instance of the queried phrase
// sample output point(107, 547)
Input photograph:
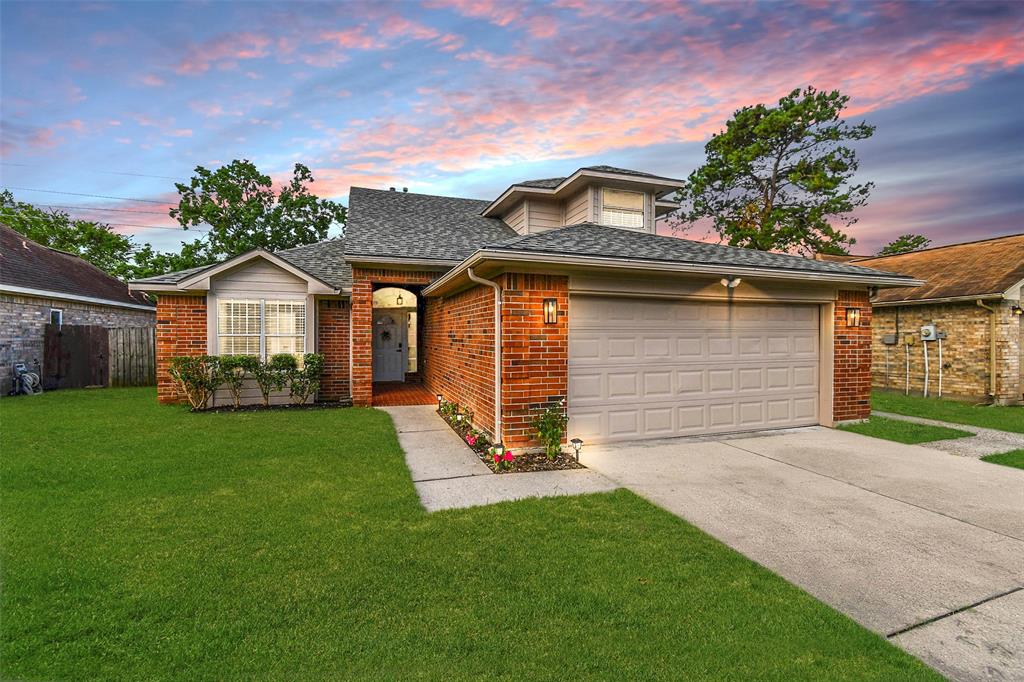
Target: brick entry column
point(851, 381)
point(180, 331)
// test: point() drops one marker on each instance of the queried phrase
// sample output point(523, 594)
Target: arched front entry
point(394, 334)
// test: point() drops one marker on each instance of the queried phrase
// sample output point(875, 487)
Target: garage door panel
point(657, 368)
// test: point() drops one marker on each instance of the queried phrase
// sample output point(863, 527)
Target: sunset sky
point(464, 97)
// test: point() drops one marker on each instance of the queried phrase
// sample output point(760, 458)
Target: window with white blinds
point(620, 208)
point(261, 327)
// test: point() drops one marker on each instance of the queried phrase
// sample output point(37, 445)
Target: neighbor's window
point(56, 316)
point(261, 327)
point(620, 208)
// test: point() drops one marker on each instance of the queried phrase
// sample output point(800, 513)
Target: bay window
point(620, 208)
point(261, 327)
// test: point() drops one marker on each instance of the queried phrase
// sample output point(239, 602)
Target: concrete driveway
point(921, 546)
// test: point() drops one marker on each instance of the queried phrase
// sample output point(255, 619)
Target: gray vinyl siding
point(576, 208)
point(544, 215)
point(516, 219)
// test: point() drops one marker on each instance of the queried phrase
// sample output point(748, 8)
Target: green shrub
point(197, 376)
point(306, 381)
point(550, 426)
point(274, 374)
point(234, 370)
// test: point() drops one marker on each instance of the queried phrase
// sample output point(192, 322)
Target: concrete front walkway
point(984, 442)
point(448, 475)
point(904, 539)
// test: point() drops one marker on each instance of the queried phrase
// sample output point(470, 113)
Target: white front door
point(389, 346)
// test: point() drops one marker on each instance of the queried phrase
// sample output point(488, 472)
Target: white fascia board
point(661, 266)
point(936, 301)
point(201, 280)
point(581, 173)
point(44, 293)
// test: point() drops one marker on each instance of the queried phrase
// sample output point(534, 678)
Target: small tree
point(306, 381)
point(234, 371)
point(197, 377)
point(905, 243)
point(778, 178)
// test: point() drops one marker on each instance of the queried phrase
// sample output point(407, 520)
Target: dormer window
point(620, 208)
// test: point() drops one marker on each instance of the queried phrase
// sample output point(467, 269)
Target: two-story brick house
point(558, 289)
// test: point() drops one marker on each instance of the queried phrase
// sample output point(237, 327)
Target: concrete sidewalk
point(984, 442)
point(449, 475)
point(915, 544)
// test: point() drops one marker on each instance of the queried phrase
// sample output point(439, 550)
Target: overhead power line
point(97, 208)
point(83, 194)
point(137, 175)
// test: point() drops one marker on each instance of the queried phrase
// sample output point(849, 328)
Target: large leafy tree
point(905, 243)
point(779, 177)
point(244, 212)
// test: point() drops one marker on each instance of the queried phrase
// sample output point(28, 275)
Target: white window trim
point(642, 211)
point(60, 317)
point(213, 322)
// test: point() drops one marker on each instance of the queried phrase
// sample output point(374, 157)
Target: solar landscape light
point(577, 445)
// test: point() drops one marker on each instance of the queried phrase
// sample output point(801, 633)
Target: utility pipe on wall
point(497, 348)
point(991, 348)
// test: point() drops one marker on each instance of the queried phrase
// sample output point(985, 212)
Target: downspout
point(991, 348)
point(497, 348)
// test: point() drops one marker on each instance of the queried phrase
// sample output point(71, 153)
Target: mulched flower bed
point(260, 407)
point(522, 460)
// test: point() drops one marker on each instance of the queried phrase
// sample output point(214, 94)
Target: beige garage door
point(648, 368)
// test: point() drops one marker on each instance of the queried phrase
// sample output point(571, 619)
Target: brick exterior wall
point(535, 356)
point(965, 351)
point(180, 330)
point(363, 281)
point(332, 339)
point(459, 339)
point(23, 320)
point(851, 380)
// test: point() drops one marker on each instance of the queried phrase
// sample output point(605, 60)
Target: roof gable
point(983, 268)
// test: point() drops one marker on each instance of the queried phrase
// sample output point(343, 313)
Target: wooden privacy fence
point(132, 356)
point(76, 356)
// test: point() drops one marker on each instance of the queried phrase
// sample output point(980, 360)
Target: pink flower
point(508, 457)
point(497, 458)
point(471, 440)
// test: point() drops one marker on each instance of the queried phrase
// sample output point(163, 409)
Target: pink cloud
point(229, 47)
point(152, 80)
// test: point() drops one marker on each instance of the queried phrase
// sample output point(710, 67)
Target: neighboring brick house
point(557, 290)
point(973, 294)
point(40, 286)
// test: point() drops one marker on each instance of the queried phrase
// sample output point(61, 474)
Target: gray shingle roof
point(406, 225)
point(588, 239)
point(324, 260)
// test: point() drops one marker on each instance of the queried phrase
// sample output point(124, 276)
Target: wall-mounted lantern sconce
point(853, 317)
point(731, 282)
point(577, 445)
point(398, 301)
point(1017, 310)
point(550, 311)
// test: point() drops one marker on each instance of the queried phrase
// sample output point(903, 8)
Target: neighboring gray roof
point(408, 225)
point(551, 183)
point(589, 239)
point(324, 260)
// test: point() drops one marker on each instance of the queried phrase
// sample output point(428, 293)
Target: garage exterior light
point(550, 311)
point(853, 317)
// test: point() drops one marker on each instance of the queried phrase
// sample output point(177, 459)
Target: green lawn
point(1007, 418)
point(903, 432)
point(1013, 458)
point(143, 542)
